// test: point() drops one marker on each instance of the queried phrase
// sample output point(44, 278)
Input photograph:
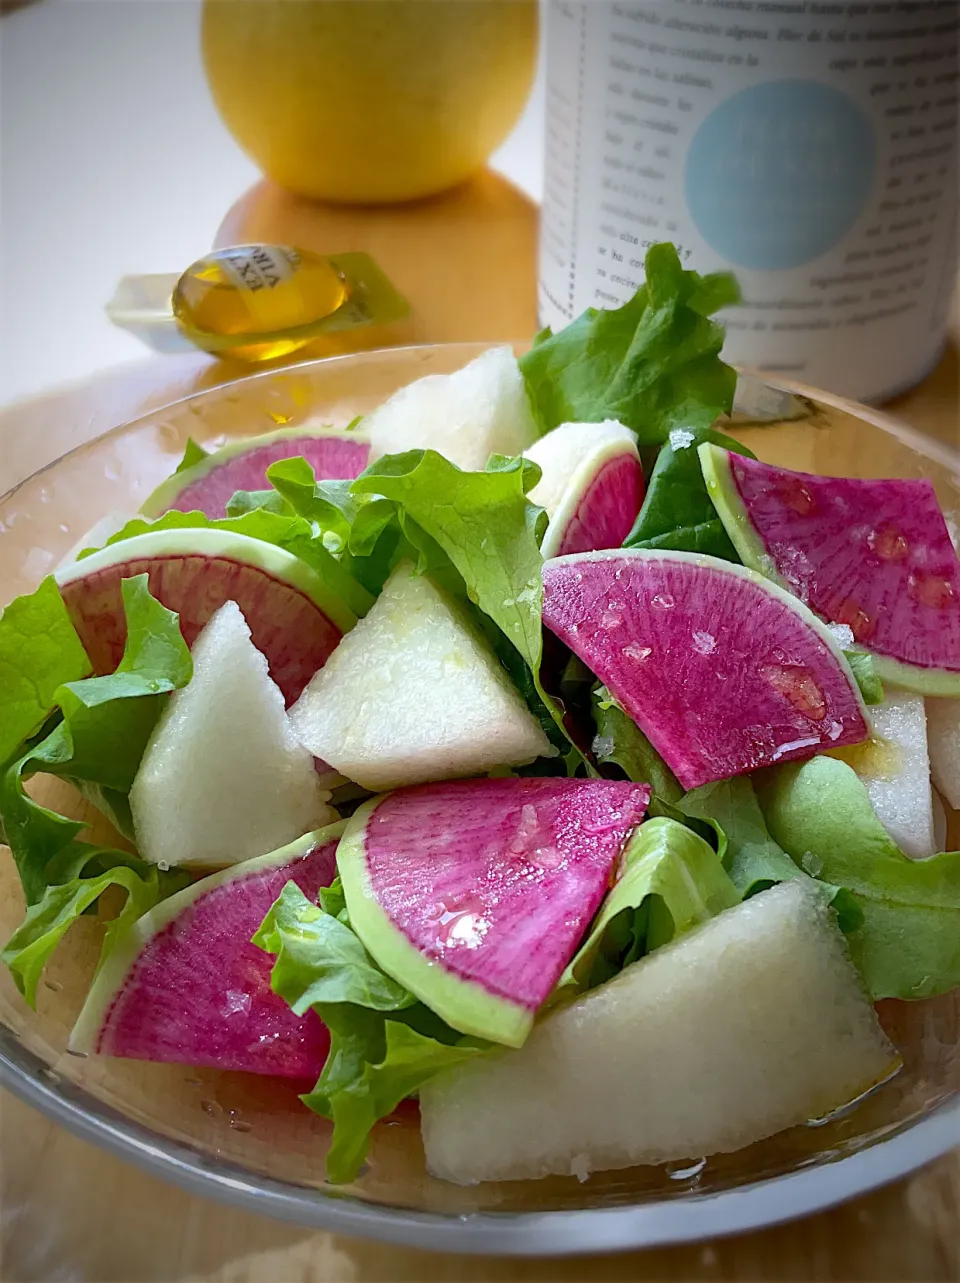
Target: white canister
point(809, 147)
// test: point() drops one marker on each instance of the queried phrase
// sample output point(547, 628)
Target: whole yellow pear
point(369, 100)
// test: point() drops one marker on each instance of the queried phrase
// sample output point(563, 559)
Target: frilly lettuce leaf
point(384, 1043)
point(670, 881)
point(653, 364)
point(475, 533)
point(39, 651)
point(82, 879)
point(484, 524)
point(908, 945)
point(103, 727)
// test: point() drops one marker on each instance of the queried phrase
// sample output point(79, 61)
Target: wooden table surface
point(71, 1211)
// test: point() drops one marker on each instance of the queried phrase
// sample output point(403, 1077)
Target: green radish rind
point(116, 967)
point(226, 545)
point(465, 1005)
point(717, 473)
point(159, 500)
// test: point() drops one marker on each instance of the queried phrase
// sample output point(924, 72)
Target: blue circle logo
point(779, 173)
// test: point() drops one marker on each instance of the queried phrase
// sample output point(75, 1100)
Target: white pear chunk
point(224, 777)
point(570, 450)
point(943, 735)
point(752, 1023)
point(413, 693)
point(894, 767)
point(466, 416)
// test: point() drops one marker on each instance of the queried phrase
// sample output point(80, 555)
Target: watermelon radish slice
point(185, 985)
point(475, 893)
point(721, 669)
point(592, 486)
point(874, 555)
point(294, 619)
point(242, 465)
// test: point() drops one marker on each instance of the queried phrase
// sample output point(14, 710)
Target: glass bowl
point(248, 1140)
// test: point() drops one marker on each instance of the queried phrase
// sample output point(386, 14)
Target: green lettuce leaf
point(81, 880)
point(192, 454)
point(653, 364)
point(670, 881)
point(908, 945)
point(99, 740)
point(486, 526)
point(619, 741)
point(483, 525)
point(243, 501)
point(384, 1043)
point(677, 511)
point(750, 855)
point(103, 727)
point(39, 651)
point(864, 670)
point(361, 530)
point(292, 533)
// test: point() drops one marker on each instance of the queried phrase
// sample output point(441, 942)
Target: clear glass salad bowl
point(248, 1140)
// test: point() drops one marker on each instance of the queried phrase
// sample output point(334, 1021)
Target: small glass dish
point(247, 1140)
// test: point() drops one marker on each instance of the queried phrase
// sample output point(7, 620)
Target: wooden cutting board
point(71, 1211)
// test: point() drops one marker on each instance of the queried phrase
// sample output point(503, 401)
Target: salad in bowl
point(528, 750)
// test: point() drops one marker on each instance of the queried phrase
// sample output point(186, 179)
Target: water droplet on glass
point(64, 528)
point(80, 1055)
point(112, 472)
point(240, 1125)
point(686, 1171)
point(54, 985)
point(212, 1108)
point(193, 1082)
point(45, 494)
